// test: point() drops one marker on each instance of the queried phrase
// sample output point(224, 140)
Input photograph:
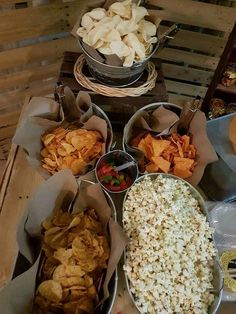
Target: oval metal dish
point(217, 273)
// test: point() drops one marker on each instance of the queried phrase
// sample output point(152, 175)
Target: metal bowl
point(217, 272)
point(120, 157)
point(117, 76)
point(149, 109)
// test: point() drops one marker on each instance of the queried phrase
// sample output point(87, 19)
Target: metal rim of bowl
point(204, 210)
point(145, 108)
point(115, 66)
point(103, 187)
point(112, 205)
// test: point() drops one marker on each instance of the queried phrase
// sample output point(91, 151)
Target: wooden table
point(20, 181)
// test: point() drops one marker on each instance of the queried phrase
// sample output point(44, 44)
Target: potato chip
point(131, 40)
point(63, 255)
point(64, 270)
point(120, 9)
point(51, 290)
point(111, 36)
point(87, 22)
point(126, 27)
point(138, 14)
point(163, 164)
point(72, 270)
point(147, 29)
point(97, 13)
point(48, 138)
point(119, 48)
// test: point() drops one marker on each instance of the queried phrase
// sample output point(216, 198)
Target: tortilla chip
point(151, 167)
point(159, 146)
point(183, 162)
point(142, 146)
point(186, 142)
point(180, 150)
point(163, 164)
point(181, 172)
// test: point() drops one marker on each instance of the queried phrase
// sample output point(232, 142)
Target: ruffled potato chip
point(70, 149)
point(72, 270)
point(51, 290)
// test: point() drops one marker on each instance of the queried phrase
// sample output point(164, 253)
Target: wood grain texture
point(187, 74)
point(48, 50)
point(196, 13)
point(185, 57)
point(25, 77)
point(197, 41)
point(37, 21)
point(17, 97)
point(186, 89)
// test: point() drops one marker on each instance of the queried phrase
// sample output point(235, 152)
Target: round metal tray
point(217, 272)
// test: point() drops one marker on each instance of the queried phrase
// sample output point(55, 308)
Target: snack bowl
point(217, 281)
point(112, 75)
point(112, 181)
point(149, 109)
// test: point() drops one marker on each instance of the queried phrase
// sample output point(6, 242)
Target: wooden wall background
point(35, 33)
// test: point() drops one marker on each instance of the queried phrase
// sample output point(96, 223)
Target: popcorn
point(170, 251)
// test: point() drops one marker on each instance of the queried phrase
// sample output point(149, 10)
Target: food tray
point(218, 278)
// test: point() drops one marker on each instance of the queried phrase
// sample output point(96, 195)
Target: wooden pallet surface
point(31, 49)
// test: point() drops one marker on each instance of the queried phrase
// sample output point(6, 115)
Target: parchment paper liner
point(162, 121)
point(55, 193)
point(43, 114)
point(112, 59)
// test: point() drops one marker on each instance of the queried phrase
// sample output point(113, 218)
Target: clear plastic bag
point(222, 217)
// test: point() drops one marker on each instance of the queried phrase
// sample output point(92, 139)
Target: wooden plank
point(185, 89)
point(28, 76)
point(7, 132)
point(196, 13)
point(48, 50)
point(13, 200)
point(179, 99)
point(33, 22)
point(197, 41)
point(185, 57)
point(9, 118)
point(37, 89)
point(187, 74)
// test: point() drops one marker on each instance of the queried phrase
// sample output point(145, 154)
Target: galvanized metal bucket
point(217, 272)
point(112, 75)
point(120, 76)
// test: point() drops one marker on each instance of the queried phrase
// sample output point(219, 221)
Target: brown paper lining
point(44, 114)
point(112, 59)
point(162, 121)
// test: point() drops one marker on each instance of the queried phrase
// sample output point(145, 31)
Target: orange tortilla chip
point(186, 142)
point(159, 146)
point(183, 162)
point(181, 172)
point(142, 146)
point(163, 164)
point(180, 150)
point(151, 167)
